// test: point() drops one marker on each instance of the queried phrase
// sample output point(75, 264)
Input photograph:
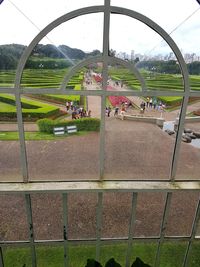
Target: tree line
point(58, 57)
point(170, 66)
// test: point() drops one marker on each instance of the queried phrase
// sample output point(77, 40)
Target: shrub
point(45, 125)
point(85, 124)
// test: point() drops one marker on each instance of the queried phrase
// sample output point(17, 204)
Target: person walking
point(123, 110)
point(108, 111)
point(151, 102)
point(116, 111)
point(147, 101)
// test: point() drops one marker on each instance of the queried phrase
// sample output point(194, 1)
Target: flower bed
point(97, 78)
point(118, 100)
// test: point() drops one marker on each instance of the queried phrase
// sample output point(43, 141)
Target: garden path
point(94, 102)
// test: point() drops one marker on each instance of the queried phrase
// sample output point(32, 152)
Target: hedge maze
point(156, 81)
point(31, 109)
point(34, 78)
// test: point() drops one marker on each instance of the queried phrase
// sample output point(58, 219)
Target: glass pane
point(50, 256)
point(79, 254)
point(188, 162)
point(13, 223)
point(136, 138)
point(194, 71)
point(82, 215)
point(182, 212)
point(158, 66)
point(180, 25)
point(122, 79)
point(194, 255)
point(116, 214)
point(53, 145)
point(17, 257)
point(9, 138)
point(47, 216)
point(150, 208)
point(6, 78)
point(116, 251)
point(169, 249)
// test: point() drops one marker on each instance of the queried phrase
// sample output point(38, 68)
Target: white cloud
point(86, 33)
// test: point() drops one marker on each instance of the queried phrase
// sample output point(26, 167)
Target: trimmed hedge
point(30, 108)
point(84, 124)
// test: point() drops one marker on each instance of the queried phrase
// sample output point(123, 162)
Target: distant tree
point(112, 53)
point(136, 60)
point(9, 55)
point(94, 53)
point(160, 66)
point(194, 68)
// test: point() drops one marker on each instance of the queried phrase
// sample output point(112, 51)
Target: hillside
point(47, 56)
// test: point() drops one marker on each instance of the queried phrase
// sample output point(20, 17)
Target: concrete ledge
point(142, 118)
point(192, 119)
point(188, 119)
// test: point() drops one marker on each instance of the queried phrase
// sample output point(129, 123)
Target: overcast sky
point(85, 32)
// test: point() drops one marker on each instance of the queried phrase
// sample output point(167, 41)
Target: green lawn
point(12, 136)
point(172, 255)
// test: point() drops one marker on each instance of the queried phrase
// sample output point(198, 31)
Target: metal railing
point(100, 188)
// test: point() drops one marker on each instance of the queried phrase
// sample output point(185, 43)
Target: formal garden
point(156, 81)
point(37, 106)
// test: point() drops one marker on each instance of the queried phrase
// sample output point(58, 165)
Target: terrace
point(116, 193)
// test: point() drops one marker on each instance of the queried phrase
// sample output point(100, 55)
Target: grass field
point(13, 136)
point(172, 255)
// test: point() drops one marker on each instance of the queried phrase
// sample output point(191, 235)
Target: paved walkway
point(13, 127)
point(94, 102)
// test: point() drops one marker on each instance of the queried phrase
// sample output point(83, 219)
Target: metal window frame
point(102, 186)
point(107, 11)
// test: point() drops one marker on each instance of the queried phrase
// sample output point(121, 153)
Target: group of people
point(70, 105)
point(76, 111)
point(80, 112)
point(118, 110)
point(151, 103)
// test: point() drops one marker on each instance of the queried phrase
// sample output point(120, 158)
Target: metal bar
point(23, 155)
point(77, 68)
point(195, 93)
point(163, 227)
point(31, 230)
point(105, 240)
point(106, 29)
point(131, 228)
point(130, 92)
point(177, 145)
point(192, 237)
point(65, 230)
point(102, 139)
point(97, 186)
point(1, 258)
point(99, 224)
point(4, 90)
